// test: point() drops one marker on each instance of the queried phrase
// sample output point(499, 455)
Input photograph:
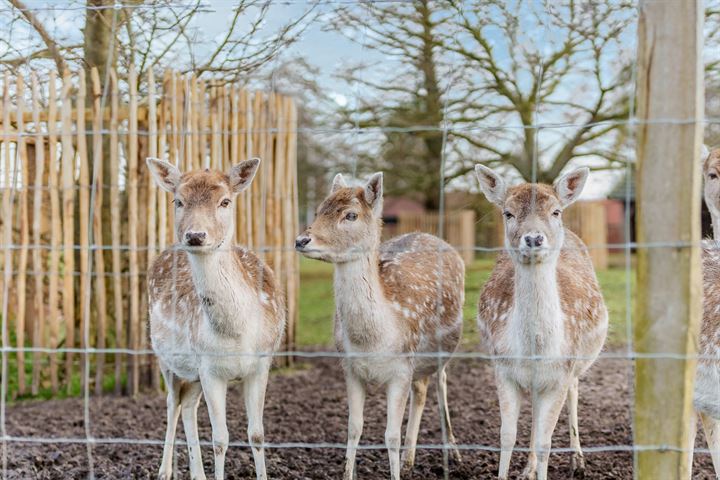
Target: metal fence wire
point(71, 264)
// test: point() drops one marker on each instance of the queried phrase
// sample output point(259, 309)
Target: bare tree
point(491, 72)
point(563, 64)
point(406, 94)
point(149, 35)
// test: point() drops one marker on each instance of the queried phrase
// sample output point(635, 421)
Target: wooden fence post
point(670, 109)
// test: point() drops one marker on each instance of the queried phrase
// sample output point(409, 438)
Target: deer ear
point(570, 186)
point(166, 175)
point(491, 184)
point(242, 174)
point(338, 183)
point(374, 192)
point(704, 155)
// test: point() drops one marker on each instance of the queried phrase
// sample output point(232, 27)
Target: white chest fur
point(367, 322)
point(535, 327)
point(232, 315)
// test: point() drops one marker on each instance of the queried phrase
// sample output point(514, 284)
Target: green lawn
point(316, 301)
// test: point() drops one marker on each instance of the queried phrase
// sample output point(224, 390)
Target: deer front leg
point(509, 397)
point(191, 394)
point(577, 463)
point(173, 412)
point(546, 411)
point(215, 391)
point(397, 394)
point(254, 390)
point(356, 404)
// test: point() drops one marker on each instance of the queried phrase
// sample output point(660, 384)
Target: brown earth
point(308, 405)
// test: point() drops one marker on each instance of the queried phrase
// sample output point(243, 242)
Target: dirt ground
point(308, 405)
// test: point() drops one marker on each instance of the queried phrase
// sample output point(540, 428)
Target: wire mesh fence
point(83, 220)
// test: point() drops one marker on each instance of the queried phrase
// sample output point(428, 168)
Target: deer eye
point(508, 215)
point(225, 203)
point(178, 203)
point(351, 217)
point(556, 213)
point(712, 176)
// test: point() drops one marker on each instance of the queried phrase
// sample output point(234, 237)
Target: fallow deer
point(707, 380)
point(541, 313)
point(392, 300)
point(215, 313)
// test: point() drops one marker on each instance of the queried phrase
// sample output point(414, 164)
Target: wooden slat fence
point(75, 254)
point(458, 228)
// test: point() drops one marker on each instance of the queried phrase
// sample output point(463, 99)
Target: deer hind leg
point(546, 410)
point(397, 394)
point(445, 411)
point(577, 463)
point(418, 395)
point(356, 404)
point(254, 391)
point(174, 385)
point(711, 426)
point(215, 392)
point(190, 400)
point(509, 397)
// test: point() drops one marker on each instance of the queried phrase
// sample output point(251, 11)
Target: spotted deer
point(707, 380)
point(215, 312)
point(541, 314)
point(392, 300)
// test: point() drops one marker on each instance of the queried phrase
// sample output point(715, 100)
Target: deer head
point(347, 224)
point(532, 212)
point(204, 201)
point(711, 175)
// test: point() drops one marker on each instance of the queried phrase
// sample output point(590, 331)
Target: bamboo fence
point(82, 220)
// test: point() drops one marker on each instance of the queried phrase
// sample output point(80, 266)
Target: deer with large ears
point(706, 397)
point(392, 300)
point(541, 313)
point(215, 313)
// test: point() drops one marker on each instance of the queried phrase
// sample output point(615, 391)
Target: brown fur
point(422, 274)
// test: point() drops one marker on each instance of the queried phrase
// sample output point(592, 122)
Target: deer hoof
point(528, 474)
point(577, 466)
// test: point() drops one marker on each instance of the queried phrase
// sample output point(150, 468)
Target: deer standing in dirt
point(541, 313)
point(707, 380)
point(214, 309)
point(392, 300)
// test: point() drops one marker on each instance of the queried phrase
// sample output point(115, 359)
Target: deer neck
point(222, 289)
point(360, 301)
point(537, 318)
point(715, 216)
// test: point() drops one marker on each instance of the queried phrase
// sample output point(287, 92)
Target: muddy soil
point(308, 405)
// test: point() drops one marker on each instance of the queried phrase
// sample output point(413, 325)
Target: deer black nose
point(300, 242)
point(534, 240)
point(195, 239)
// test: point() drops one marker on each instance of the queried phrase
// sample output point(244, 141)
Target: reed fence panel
point(82, 220)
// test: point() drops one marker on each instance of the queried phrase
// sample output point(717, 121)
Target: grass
point(317, 306)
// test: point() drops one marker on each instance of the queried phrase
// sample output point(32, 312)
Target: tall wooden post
point(670, 109)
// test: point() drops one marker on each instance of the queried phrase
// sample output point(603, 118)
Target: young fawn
point(214, 308)
point(707, 379)
point(392, 300)
point(542, 301)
